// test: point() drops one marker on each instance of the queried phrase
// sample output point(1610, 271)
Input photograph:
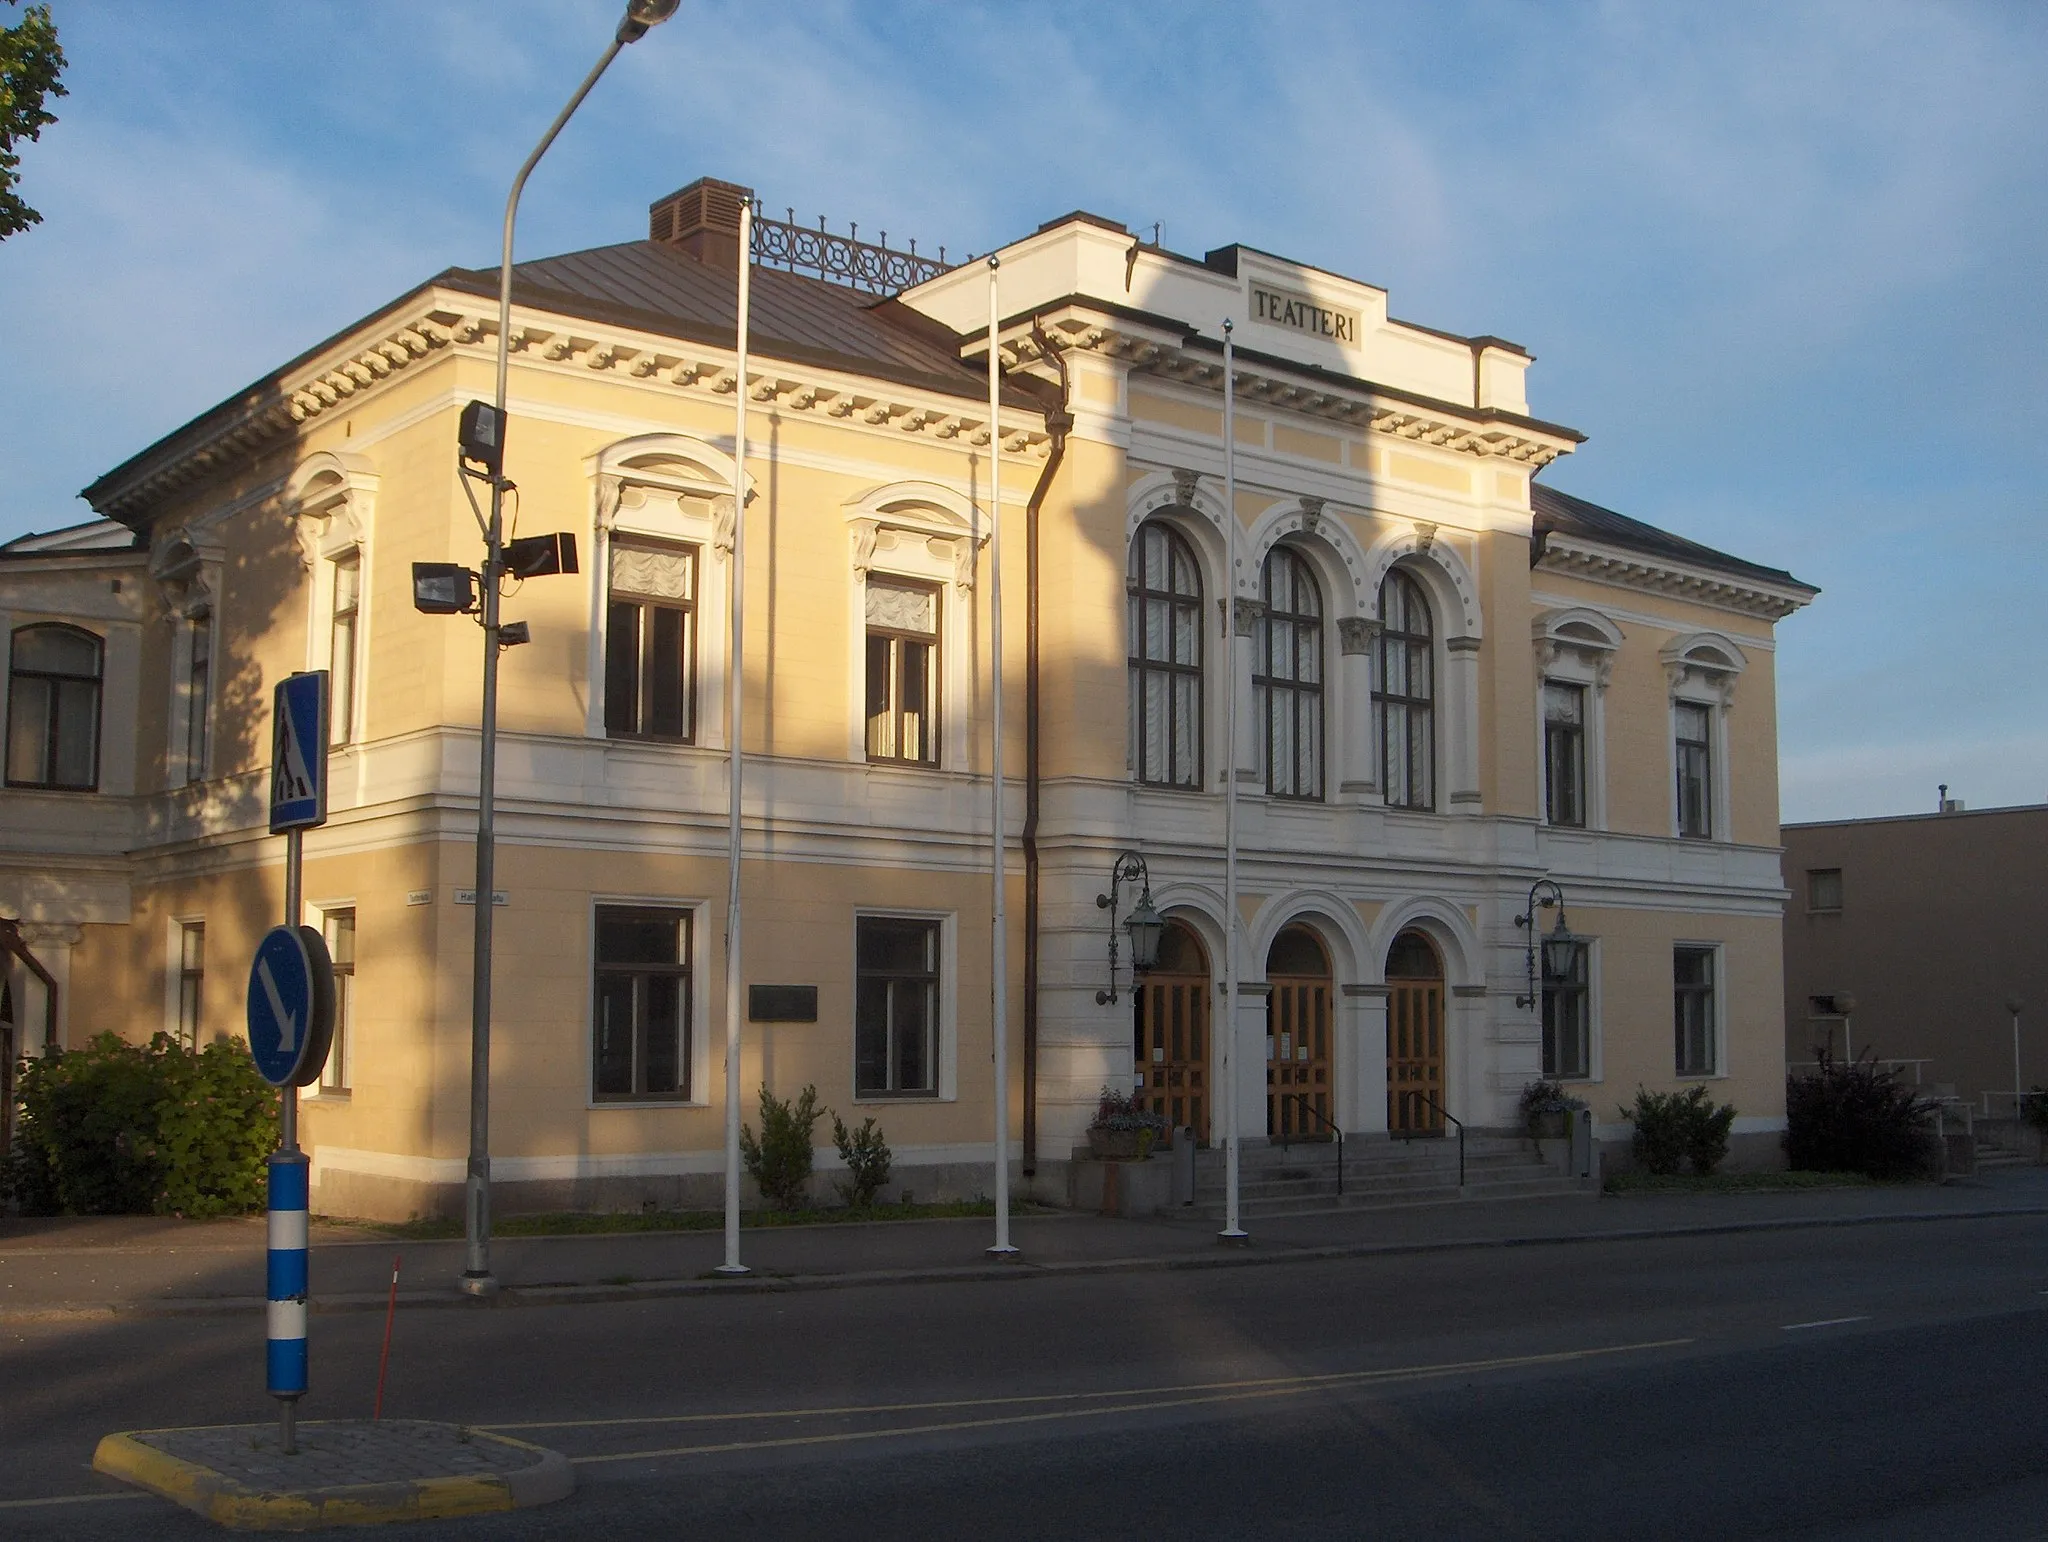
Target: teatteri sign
point(1277, 308)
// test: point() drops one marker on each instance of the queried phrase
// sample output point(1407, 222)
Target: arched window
point(1287, 676)
point(1165, 622)
point(1404, 700)
point(53, 709)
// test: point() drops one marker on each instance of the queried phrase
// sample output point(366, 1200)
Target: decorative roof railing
point(878, 269)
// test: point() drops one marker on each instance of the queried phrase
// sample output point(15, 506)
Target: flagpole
point(999, 958)
point(1232, 1231)
point(735, 696)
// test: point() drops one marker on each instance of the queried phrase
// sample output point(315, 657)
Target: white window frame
point(698, 911)
point(1578, 647)
point(1702, 668)
point(672, 488)
point(923, 534)
point(333, 497)
point(174, 976)
point(949, 1005)
point(1718, 972)
point(344, 1034)
point(1595, 1048)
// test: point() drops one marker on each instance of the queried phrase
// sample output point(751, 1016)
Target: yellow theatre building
point(1452, 681)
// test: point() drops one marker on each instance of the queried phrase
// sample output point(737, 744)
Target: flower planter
point(1547, 1126)
point(1120, 1145)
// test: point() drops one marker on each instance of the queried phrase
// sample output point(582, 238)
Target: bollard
point(285, 1356)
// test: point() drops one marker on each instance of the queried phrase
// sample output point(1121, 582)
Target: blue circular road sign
point(291, 1005)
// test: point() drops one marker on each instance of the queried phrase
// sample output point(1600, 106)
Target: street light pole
point(2019, 1094)
point(477, 1278)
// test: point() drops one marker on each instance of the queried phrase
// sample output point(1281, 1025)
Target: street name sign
point(298, 753)
point(291, 1005)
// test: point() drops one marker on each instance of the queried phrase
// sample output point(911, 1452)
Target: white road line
point(68, 1499)
point(1825, 1322)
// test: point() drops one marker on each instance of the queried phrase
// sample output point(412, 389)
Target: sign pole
point(291, 1020)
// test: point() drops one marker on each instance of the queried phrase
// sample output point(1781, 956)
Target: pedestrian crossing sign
point(298, 753)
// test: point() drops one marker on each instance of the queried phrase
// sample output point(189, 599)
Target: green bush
point(780, 1160)
point(1676, 1129)
point(115, 1128)
point(1856, 1118)
point(2034, 1108)
point(867, 1158)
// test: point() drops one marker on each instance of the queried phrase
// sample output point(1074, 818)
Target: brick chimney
point(702, 219)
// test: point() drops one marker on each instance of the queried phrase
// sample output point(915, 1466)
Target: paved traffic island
point(345, 1472)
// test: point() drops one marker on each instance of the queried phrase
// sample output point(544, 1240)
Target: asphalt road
point(1876, 1381)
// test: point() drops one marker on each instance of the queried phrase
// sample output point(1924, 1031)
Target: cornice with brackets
point(1562, 553)
point(278, 409)
point(1165, 354)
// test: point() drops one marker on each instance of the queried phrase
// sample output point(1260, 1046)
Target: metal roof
point(792, 315)
point(1561, 512)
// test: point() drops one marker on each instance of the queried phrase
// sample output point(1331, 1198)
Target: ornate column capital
point(1356, 634)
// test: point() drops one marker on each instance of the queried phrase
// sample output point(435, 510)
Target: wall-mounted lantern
point(1560, 948)
point(1144, 923)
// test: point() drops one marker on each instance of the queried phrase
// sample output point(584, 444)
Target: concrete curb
point(232, 1503)
point(1252, 1255)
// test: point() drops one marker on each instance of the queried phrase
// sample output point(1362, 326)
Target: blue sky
point(1785, 264)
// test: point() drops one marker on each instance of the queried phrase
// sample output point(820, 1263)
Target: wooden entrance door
point(1298, 1070)
point(1170, 1033)
point(1415, 1036)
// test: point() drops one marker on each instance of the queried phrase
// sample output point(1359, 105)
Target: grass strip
point(577, 1223)
point(1732, 1183)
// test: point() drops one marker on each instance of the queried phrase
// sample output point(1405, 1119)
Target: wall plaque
point(782, 1003)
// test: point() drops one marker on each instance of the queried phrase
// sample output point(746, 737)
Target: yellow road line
point(1186, 1396)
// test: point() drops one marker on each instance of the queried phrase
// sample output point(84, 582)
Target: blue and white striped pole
point(285, 1353)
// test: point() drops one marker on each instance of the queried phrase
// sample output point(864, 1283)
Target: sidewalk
point(56, 1269)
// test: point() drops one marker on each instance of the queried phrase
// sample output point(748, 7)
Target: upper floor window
point(1165, 626)
point(1824, 890)
point(198, 693)
point(53, 708)
point(1564, 753)
point(651, 641)
point(1694, 756)
point(342, 636)
point(902, 671)
point(1404, 700)
point(1287, 676)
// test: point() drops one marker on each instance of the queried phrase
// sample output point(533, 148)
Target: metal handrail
point(1317, 1114)
point(1421, 1096)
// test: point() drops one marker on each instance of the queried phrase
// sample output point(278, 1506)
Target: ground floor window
point(1692, 978)
point(341, 947)
point(896, 1013)
point(191, 981)
point(640, 1043)
point(1568, 1017)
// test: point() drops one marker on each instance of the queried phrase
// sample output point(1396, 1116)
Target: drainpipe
point(1058, 422)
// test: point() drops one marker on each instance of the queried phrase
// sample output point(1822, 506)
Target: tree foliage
point(1856, 1117)
point(30, 64)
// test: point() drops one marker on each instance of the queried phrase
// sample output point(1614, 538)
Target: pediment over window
point(669, 485)
point(330, 497)
point(910, 526)
point(1577, 639)
point(1703, 664)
